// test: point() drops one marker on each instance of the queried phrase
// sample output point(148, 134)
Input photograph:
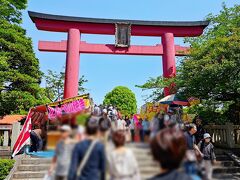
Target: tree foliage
point(212, 69)
point(123, 98)
point(55, 85)
point(20, 76)
point(10, 10)
point(156, 85)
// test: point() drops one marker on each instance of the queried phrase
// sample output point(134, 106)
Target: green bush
point(5, 167)
point(123, 98)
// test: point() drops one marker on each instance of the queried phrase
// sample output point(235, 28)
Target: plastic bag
point(47, 176)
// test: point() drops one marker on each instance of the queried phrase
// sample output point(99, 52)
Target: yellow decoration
point(188, 117)
point(149, 110)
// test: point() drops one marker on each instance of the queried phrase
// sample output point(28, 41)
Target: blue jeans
point(190, 167)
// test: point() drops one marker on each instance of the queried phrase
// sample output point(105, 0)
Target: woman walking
point(122, 162)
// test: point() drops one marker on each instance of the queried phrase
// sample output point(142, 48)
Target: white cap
point(65, 128)
point(104, 111)
point(81, 129)
point(166, 117)
point(206, 135)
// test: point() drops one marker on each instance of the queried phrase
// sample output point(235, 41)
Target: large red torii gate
point(75, 26)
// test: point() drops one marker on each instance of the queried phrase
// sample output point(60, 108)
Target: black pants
point(141, 133)
point(60, 178)
point(36, 142)
point(132, 134)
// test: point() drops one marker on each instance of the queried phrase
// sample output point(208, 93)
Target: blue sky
point(104, 72)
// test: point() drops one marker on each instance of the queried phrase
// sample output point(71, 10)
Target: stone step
point(138, 150)
point(5, 153)
point(5, 157)
point(222, 158)
point(29, 179)
point(42, 167)
point(226, 170)
point(36, 161)
point(28, 174)
point(226, 163)
point(147, 176)
point(142, 154)
point(230, 176)
point(149, 170)
point(144, 159)
point(149, 163)
point(219, 151)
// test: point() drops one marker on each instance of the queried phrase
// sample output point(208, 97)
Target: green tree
point(211, 71)
point(55, 85)
point(123, 98)
point(10, 10)
point(20, 76)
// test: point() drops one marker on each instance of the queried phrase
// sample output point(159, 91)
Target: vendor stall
point(47, 118)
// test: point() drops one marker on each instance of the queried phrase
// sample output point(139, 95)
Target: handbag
point(85, 158)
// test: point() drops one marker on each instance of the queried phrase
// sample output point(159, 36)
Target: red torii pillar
point(72, 64)
point(168, 58)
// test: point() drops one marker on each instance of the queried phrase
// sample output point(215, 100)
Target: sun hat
point(206, 135)
point(65, 128)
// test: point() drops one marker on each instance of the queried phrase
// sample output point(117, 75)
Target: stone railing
point(227, 135)
point(6, 129)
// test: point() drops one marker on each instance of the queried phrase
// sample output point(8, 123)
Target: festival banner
point(68, 107)
point(149, 110)
point(24, 136)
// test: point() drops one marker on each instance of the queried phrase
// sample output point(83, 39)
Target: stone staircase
point(31, 168)
point(226, 168)
point(147, 166)
point(35, 168)
point(5, 154)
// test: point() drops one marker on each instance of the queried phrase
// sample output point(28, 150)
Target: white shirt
point(132, 124)
point(121, 124)
point(123, 165)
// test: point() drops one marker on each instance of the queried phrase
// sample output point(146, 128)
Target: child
point(209, 158)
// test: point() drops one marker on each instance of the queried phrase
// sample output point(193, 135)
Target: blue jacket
point(94, 169)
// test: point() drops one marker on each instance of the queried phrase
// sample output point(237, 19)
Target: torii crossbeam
point(75, 26)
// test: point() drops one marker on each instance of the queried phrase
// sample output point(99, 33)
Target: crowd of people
point(183, 151)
